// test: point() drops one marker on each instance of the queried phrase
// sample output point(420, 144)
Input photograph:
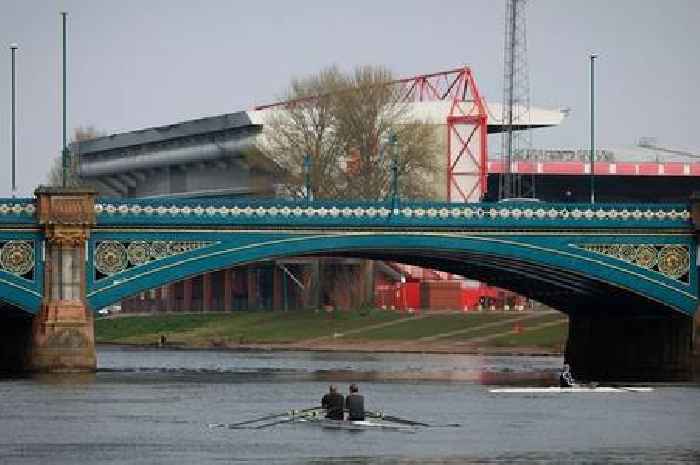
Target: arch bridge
point(625, 274)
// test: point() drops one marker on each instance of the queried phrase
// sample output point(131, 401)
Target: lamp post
point(13, 48)
point(393, 141)
point(593, 56)
point(64, 153)
point(307, 176)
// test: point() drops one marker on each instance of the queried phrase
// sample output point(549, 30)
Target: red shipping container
point(407, 296)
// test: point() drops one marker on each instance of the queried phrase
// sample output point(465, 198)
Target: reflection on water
point(153, 406)
point(335, 366)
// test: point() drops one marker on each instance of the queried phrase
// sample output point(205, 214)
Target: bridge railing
point(17, 211)
point(343, 214)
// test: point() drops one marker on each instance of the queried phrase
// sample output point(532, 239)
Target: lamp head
point(14, 46)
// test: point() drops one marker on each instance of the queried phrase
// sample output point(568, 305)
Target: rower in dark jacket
point(566, 379)
point(333, 403)
point(355, 404)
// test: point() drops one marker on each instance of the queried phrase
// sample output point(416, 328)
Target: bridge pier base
point(63, 339)
point(626, 348)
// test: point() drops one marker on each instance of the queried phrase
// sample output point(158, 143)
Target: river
point(151, 406)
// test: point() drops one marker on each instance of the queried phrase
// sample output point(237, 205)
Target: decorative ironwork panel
point(672, 261)
point(17, 258)
point(113, 257)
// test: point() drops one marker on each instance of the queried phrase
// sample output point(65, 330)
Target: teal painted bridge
point(625, 274)
point(633, 258)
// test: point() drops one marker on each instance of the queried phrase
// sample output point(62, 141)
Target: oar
point(266, 425)
point(247, 422)
point(410, 422)
point(241, 424)
point(404, 421)
point(622, 388)
point(292, 417)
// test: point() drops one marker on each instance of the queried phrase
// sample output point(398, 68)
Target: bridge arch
point(519, 262)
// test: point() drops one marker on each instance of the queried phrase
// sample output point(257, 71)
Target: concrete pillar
point(228, 289)
point(252, 281)
point(206, 292)
point(368, 281)
point(314, 289)
point(277, 288)
point(62, 332)
point(607, 347)
point(164, 292)
point(187, 295)
point(171, 297)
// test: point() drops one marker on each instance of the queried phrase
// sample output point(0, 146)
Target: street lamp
point(393, 141)
point(13, 48)
point(593, 56)
point(64, 153)
point(307, 176)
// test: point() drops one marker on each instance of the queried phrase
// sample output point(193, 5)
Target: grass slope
point(206, 330)
point(239, 327)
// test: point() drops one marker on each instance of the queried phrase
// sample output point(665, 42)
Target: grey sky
point(135, 64)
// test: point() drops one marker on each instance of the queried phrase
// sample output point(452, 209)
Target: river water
point(150, 406)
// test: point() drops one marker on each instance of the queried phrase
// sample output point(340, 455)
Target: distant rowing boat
point(560, 390)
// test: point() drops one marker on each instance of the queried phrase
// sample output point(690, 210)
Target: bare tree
point(55, 174)
point(343, 122)
point(306, 127)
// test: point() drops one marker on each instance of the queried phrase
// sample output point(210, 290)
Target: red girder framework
point(467, 127)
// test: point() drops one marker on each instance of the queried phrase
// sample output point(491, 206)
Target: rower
point(355, 404)
point(566, 379)
point(333, 403)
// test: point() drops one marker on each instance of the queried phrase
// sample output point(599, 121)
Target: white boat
point(559, 390)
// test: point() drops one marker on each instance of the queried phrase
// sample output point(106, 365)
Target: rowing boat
point(317, 418)
point(559, 390)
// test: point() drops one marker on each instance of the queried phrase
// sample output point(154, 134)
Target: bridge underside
point(616, 333)
point(15, 338)
point(569, 292)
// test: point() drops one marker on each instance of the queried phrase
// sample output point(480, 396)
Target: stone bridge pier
point(610, 344)
point(62, 338)
point(605, 347)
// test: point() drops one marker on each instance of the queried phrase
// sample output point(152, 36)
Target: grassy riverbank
point(543, 332)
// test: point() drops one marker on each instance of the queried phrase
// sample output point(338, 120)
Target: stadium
point(219, 156)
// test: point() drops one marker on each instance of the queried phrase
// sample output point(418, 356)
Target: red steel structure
point(466, 122)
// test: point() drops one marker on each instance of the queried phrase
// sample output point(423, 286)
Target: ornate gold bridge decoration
point(672, 261)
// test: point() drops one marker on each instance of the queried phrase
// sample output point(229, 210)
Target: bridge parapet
point(301, 213)
point(17, 211)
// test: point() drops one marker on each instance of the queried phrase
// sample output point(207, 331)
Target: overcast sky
point(141, 63)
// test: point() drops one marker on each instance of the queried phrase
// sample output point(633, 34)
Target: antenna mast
point(515, 115)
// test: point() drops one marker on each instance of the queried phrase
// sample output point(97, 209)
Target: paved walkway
point(480, 327)
point(365, 328)
point(436, 342)
point(512, 331)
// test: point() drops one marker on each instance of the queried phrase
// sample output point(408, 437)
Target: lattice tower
point(516, 140)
